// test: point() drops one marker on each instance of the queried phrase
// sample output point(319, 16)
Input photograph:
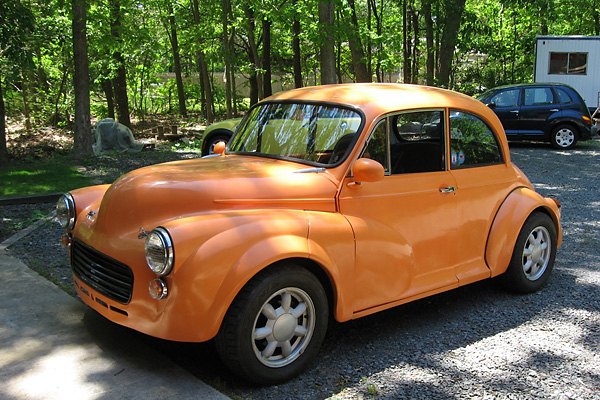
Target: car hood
point(159, 193)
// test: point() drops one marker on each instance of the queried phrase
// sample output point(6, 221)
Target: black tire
point(287, 343)
point(220, 135)
point(533, 256)
point(564, 137)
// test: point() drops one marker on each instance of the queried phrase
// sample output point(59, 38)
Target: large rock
point(113, 136)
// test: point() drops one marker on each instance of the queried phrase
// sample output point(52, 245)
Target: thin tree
point(454, 10)
point(327, 50)
point(16, 24)
point(171, 28)
point(82, 146)
point(120, 79)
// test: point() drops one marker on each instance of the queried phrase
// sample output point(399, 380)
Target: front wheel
point(275, 326)
point(564, 137)
point(533, 255)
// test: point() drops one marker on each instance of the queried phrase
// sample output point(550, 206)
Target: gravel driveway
point(474, 342)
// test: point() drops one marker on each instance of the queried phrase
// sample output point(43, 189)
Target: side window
point(563, 96)
point(472, 142)
point(377, 148)
point(506, 98)
point(538, 96)
point(417, 143)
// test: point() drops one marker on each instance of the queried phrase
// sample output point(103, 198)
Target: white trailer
point(572, 60)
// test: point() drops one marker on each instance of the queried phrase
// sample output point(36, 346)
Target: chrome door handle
point(555, 110)
point(514, 111)
point(449, 189)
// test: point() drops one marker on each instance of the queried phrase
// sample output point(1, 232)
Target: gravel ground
point(474, 342)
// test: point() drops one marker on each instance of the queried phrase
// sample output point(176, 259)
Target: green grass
point(41, 177)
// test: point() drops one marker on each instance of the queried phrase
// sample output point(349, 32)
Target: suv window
point(538, 96)
point(472, 142)
point(506, 98)
point(563, 96)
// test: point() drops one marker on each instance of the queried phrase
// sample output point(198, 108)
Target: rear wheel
point(533, 256)
point(275, 326)
point(564, 137)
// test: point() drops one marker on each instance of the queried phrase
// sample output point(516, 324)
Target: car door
point(505, 104)
point(537, 104)
point(483, 181)
point(404, 225)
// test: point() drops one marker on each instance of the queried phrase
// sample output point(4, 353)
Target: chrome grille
point(103, 274)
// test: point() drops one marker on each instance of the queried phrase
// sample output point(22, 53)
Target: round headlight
point(65, 211)
point(159, 251)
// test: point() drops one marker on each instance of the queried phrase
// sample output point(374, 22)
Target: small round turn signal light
point(158, 289)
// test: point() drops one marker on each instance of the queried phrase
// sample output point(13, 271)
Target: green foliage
point(495, 46)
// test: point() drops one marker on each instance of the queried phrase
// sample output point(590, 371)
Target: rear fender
point(509, 220)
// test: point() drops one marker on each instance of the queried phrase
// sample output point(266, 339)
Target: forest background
point(67, 63)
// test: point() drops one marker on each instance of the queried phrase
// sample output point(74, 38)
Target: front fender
point(216, 255)
point(508, 222)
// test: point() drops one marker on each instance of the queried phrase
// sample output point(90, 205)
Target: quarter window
point(563, 96)
point(472, 142)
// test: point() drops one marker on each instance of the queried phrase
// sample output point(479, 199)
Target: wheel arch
point(214, 133)
point(508, 222)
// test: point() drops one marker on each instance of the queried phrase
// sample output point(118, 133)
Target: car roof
point(530, 84)
point(381, 98)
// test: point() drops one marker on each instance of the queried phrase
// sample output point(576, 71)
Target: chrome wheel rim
point(536, 253)
point(565, 137)
point(283, 327)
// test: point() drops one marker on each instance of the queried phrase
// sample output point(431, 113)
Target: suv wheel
point(563, 137)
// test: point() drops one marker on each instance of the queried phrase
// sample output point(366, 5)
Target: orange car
point(338, 200)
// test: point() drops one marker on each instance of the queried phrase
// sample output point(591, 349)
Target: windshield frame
point(244, 121)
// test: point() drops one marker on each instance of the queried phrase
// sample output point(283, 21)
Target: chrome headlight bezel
point(160, 255)
point(65, 211)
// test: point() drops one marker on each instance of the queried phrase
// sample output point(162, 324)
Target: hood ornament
point(142, 233)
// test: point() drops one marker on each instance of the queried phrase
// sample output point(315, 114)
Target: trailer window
point(568, 63)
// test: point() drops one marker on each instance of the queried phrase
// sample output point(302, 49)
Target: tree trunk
point(429, 42)
point(226, 8)
point(205, 84)
point(177, 63)
point(406, 72)
point(3, 150)
point(255, 86)
point(266, 57)
point(415, 47)
point(296, 29)
point(454, 10)
point(596, 18)
point(327, 50)
point(107, 88)
point(82, 146)
point(120, 80)
point(356, 48)
point(25, 95)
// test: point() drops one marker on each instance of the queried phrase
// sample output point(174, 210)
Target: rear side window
point(472, 142)
point(538, 96)
point(563, 96)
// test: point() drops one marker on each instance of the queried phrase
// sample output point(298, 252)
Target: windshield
point(313, 133)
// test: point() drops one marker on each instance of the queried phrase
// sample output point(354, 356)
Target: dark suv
point(541, 111)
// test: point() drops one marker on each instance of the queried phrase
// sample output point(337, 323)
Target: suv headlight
point(65, 211)
point(159, 251)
